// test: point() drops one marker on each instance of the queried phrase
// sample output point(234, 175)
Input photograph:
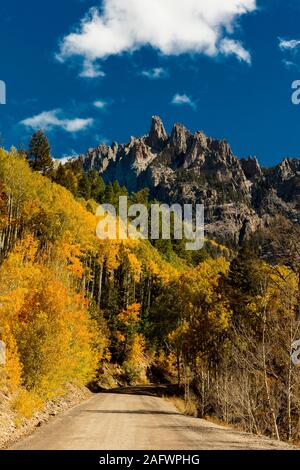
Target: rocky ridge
point(240, 196)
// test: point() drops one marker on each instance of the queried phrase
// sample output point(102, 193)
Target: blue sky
point(93, 76)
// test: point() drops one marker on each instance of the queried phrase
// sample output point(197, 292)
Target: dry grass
point(219, 422)
point(187, 408)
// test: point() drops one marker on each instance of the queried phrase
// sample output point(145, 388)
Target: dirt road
point(127, 421)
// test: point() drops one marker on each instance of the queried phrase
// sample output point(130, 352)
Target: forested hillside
point(79, 310)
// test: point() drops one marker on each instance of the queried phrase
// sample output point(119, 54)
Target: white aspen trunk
point(100, 285)
point(266, 380)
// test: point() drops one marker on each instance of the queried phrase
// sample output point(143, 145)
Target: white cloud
point(290, 48)
point(289, 64)
point(155, 73)
point(231, 47)
point(288, 45)
point(91, 70)
point(100, 104)
point(48, 120)
point(66, 158)
point(172, 27)
point(181, 100)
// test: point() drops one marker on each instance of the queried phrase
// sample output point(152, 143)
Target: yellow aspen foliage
point(12, 371)
point(133, 344)
point(135, 364)
point(52, 339)
point(72, 254)
point(109, 253)
point(131, 315)
point(135, 266)
point(120, 337)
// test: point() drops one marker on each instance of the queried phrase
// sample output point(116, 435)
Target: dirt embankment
point(13, 426)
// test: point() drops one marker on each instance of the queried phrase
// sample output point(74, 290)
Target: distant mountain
point(240, 196)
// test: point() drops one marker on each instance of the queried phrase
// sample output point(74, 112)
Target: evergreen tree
point(116, 187)
point(245, 272)
point(109, 194)
point(39, 153)
point(66, 178)
point(97, 186)
point(84, 187)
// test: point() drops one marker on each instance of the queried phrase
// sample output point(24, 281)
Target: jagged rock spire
point(157, 136)
point(179, 138)
point(251, 167)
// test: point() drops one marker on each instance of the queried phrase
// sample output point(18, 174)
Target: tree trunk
point(266, 379)
point(100, 285)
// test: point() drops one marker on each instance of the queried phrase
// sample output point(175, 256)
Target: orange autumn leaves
point(51, 259)
point(132, 342)
point(49, 335)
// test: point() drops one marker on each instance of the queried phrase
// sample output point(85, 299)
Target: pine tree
point(109, 194)
point(39, 153)
point(245, 272)
point(66, 178)
point(84, 187)
point(97, 186)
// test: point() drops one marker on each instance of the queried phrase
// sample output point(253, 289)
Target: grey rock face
point(157, 135)
point(240, 197)
point(180, 139)
point(251, 168)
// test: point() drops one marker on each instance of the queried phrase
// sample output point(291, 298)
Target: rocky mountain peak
point(157, 136)
point(251, 168)
point(239, 195)
point(201, 138)
point(288, 168)
point(222, 148)
point(179, 138)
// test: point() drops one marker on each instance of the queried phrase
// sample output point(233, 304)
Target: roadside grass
point(188, 408)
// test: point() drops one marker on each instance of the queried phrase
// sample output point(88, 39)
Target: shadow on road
point(138, 412)
point(151, 390)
